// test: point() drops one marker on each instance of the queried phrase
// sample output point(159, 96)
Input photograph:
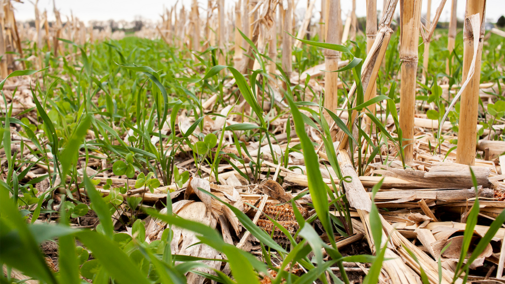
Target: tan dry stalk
point(385, 4)
point(245, 22)
point(180, 28)
point(46, 27)
point(265, 23)
point(229, 19)
point(371, 66)
point(37, 24)
point(207, 24)
point(470, 96)
point(322, 29)
point(82, 32)
point(213, 35)
point(331, 58)
point(410, 11)
point(170, 26)
point(360, 200)
point(195, 19)
point(3, 63)
point(427, 37)
point(248, 61)
point(287, 29)
point(246, 30)
point(303, 28)
point(338, 25)
point(11, 19)
point(237, 58)
point(498, 32)
point(399, 257)
point(162, 35)
point(501, 261)
point(222, 35)
point(354, 27)
point(293, 16)
point(272, 44)
point(326, 15)
point(430, 28)
point(347, 28)
point(371, 33)
point(253, 15)
point(426, 53)
point(260, 46)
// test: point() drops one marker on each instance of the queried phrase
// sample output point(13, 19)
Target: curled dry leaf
point(183, 241)
point(276, 191)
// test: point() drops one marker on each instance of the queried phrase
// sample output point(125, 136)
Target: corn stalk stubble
point(371, 66)
point(470, 96)
point(410, 11)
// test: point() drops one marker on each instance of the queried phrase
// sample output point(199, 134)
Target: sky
point(151, 9)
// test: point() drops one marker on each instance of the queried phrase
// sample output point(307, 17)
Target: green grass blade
point(471, 221)
point(69, 154)
point(246, 92)
point(112, 258)
point(19, 248)
point(68, 264)
point(98, 205)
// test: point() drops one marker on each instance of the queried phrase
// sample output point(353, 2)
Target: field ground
point(134, 161)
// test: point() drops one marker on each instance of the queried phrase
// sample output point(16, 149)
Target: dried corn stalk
point(473, 35)
point(371, 65)
point(410, 11)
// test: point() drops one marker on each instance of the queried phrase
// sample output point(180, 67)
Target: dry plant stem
point(396, 268)
point(8, 9)
point(371, 33)
point(207, 22)
point(347, 28)
point(359, 199)
point(237, 58)
point(222, 51)
point(248, 63)
point(426, 209)
point(426, 54)
point(245, 22)
point(37, 24)
point(303, 28)
point(501, 262)
point(410, 11)
point(339, 27)
point(452, 30)
point(46, 27)
point(246, 235)
point(253, 15)
point(331, 58)
point(3, 63)
point(272, 47)
point(326, 15)
point(353, 21)
point(162, 35)
point(498, 32)
point(429, 266)
point(256, 40)
point(473, 22)
point(385, 4)
point(370, 66)
point(286, 40)
point(196, 25)
point(470, 96)
point(427, 37)
point(322, 28)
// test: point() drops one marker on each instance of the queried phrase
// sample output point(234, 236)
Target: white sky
point(150, 9)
